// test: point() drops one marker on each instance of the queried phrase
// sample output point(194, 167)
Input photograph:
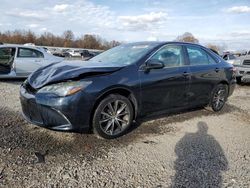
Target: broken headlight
point(64, 89)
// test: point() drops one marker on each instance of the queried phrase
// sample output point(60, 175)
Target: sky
point(221, 22)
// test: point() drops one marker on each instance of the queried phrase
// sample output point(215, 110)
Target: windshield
point(123, 55)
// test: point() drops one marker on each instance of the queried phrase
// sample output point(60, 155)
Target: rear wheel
point(218, 98)
point(113, 116)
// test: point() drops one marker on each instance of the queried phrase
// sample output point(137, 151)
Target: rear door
point(166, 88)
point(28, 60)
point(205, 74)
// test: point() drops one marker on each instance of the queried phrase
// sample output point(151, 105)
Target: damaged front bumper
point(57, 113)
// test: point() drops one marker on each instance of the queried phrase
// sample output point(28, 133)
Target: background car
point(242, 64)
point(86, 55)
point(230, 58)
point(18, 61)
point(73, 53)
point(111, 90)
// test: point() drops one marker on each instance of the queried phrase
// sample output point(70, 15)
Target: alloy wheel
point(115, 117)
point(219, 99)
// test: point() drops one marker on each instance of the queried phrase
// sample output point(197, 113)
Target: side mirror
point(154, 64)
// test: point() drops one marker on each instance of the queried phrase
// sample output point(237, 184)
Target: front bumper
point(70, 113)
point(243, 72)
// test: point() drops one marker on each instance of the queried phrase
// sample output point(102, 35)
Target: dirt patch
point(147, 156)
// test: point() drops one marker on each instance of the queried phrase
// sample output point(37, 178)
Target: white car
point(18, 61)
point(230, 58)
point(74, 53)
point(242, 64)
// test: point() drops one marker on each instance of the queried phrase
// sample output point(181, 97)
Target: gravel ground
point(190, 149)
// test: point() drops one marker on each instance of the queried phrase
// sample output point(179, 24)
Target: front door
point(166, 88)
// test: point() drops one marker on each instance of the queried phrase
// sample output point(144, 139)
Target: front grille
point(246, 62)
point(31, 111)
point(42, 115)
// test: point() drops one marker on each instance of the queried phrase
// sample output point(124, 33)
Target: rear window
point(197, 56)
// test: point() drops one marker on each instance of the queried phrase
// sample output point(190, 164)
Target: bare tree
point(68, 38)
point(49, 39)
point(187, 37)
point(218, 48)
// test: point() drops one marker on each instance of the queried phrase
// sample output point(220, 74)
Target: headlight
point(65, 88)
point(237, 62)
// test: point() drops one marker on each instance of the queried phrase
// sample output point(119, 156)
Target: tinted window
point(29, 53)
point(170, 55)
point(197, 56)
point(211, 60)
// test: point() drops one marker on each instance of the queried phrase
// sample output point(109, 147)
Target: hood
point(62, 71)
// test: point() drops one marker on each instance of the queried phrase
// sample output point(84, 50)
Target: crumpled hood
point(66, 70)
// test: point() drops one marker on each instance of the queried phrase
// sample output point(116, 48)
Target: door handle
point(217, 69)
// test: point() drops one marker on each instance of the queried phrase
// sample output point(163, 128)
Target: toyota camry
point(107, 93)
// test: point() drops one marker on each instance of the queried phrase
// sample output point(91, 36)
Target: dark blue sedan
point(108, 92)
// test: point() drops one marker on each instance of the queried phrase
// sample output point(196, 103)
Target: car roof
point(20, 46)
point(162, 43)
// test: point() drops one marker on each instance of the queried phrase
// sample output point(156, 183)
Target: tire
point(218, 98)
point(113, 116)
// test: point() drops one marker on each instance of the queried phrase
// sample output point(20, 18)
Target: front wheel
point(218, 98)
point(113, 116)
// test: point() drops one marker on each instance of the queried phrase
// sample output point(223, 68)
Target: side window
point(29, 53)
point(225, 57)
point(197, 56)
point(170, 55)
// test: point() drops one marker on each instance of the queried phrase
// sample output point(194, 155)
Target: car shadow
point(161, 123)
point(200, 160)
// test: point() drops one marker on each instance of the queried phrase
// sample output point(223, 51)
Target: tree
point(68, 38)
point(187, 37)
point(91, 42)
point(213, 47)
point(30, 37)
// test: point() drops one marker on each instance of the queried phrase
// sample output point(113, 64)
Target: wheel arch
point(224, 82)
point(124, 91)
